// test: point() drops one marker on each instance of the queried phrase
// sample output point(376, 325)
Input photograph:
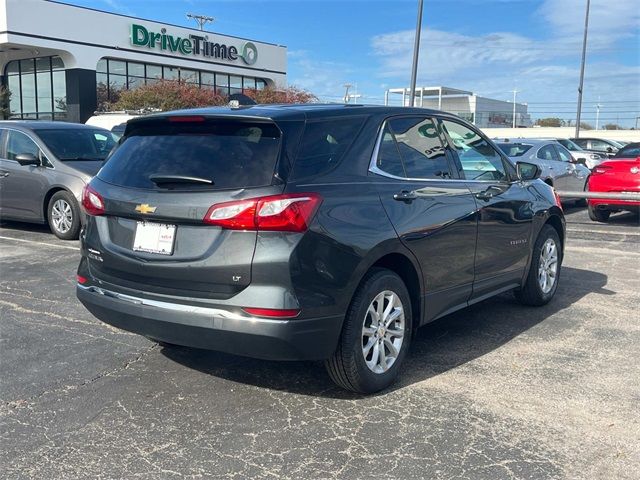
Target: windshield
point(569, 145)
point(219, 154)
point(514, 149)
point(78, 143)
point(630, 151)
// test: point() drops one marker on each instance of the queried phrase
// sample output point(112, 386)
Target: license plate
point(154, 238)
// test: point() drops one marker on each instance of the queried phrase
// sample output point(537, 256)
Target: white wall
point(109, 36)
point(561, 132)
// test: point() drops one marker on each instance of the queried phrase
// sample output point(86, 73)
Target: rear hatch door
point(157, 188)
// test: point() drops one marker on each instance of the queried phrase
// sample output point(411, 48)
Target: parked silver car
point(43, 169)
point(559, 169)
point(589, 159)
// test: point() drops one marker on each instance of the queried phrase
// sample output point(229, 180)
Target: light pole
point(416, 51)
point(598, 116)
point(347, 86)
point(584, 56)
point(201, 20)
point(515, 92)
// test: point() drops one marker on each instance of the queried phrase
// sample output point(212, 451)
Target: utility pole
point(584, 56)
point(598, 114)
point(515, 92)
point(347, 86)
point(201, 20)
point(416, 51)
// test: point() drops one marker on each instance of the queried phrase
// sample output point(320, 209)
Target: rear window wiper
point(174, 179)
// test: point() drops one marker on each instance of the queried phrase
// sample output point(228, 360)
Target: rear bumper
point(215, 328)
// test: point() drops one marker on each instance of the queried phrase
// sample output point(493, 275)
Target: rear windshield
point(630, 151)
point(78, 143)
point(230, 154)
point(513, 149)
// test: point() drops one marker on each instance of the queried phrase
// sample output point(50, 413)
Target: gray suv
point(43, 168)
point(317, 232)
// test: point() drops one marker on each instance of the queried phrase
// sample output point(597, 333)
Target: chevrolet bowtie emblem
point(145, 208)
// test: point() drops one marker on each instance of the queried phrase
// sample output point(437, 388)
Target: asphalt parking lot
point(495, 391)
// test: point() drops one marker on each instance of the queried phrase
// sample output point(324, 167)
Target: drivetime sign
point(193, 45)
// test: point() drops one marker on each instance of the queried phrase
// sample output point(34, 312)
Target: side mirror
point(582, 161)
point(609, 150)
point(26, 159)
point(527, 171)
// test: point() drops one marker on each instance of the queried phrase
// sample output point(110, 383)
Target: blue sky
point(487, 46)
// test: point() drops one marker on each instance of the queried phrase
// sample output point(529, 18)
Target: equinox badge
point(145, 208)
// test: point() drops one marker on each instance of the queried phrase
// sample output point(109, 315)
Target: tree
point(612, 126)
point(550, 122)
point(168, 95)
point(281, 95)
point(585, 126)
point(5, 102)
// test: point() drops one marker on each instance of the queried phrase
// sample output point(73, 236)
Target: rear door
point(158, 186)
point(431, 209)
point(503, 207)
point(576, 174)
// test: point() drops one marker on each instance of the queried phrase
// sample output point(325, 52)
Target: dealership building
point(61, 61)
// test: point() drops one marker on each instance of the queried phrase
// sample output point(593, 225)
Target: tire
point(348, 366)
point(63, 215)
point(534, 292)
point(599, 214)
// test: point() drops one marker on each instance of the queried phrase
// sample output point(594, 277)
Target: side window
point(599, 145)
point(19, 143)
point(581, 143)
point(324, 143)
point(546, 153)
point(389, 160)
point(564, 155)
point(420, 148)
point(480, 161)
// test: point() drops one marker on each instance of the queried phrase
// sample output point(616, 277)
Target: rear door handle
point(4, 173)
point(405, 196)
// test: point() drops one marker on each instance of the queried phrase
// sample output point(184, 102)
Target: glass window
point(28, 93)
point(43, 64)
point(420, 147)
point(13, 67)
point(135, 69)
point(102, 66)
point(514, 149)
point(600, 146)
point(45, 92)
point(19, 143)
point(154, 71)
point(189, 76)
point(208, 78)
point(235, 82)
point(249, 82)
point(171, 73)
point(324, 143)
point(480, 161)
point(260, 84)
point(13, 83)
point(59, 92)
point(78, 143)
point(133, 82)
point(231, 154)
point(56, 63)
point(389, 160)
point(546, 153)
point(564, 155)
point(117, 67)
point(27, 66)
point(580, 142)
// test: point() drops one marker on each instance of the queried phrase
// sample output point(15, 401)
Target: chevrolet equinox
point(311, 232)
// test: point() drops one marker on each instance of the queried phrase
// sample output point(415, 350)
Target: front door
point(431, 209)
point(23, 187)
point(577, 174)
point(504, 210)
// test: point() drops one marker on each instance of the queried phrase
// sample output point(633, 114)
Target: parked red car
point(616, 175)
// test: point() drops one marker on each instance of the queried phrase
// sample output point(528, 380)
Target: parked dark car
point(316, 232)
point(598, 145)
point(43, 169)
point(630, 150)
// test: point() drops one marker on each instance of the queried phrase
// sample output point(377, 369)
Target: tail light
point(558, 202)
point(284, 213)
point(92, 201)
point(81, 280)
point(600, 169)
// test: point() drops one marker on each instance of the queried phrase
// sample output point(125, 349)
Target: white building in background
point(60, 61)
point(482, 111)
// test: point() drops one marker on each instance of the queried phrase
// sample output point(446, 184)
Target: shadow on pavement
point(437, 347)
point(26, 227)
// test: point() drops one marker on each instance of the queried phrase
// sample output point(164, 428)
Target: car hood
point(89, 167)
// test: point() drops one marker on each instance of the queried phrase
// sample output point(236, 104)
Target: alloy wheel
point(62, 216)
point(548, 266)
point(383, 331)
